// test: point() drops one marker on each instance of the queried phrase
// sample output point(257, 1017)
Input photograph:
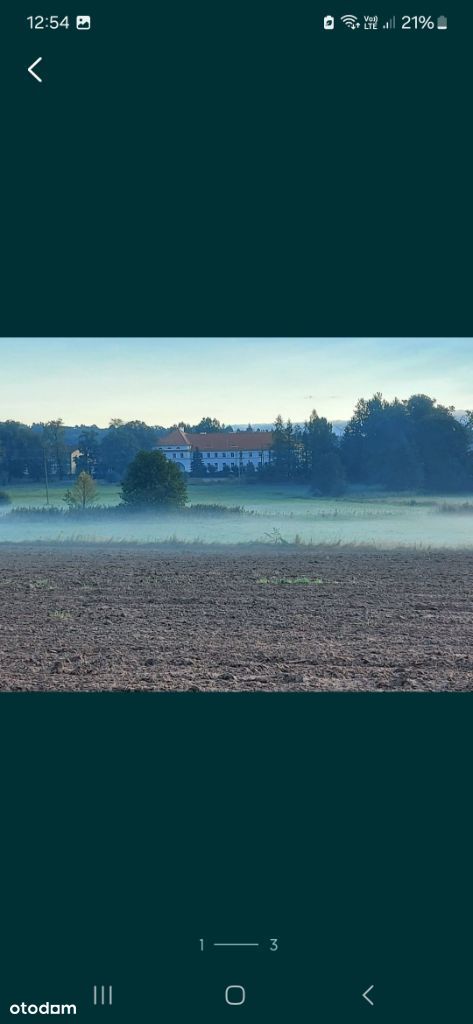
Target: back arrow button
point(366, 995)
point(32, 72)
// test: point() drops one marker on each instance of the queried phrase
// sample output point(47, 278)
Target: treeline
point(28, 453)
point(414, 444)
point(207, 425)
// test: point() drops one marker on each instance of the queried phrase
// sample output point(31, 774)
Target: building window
point(174, 455)
point(182, 455)
point(232, 455)
point(209, 455)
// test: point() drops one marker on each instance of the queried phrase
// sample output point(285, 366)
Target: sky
point(163, 381)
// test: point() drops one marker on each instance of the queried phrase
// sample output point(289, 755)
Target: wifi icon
point(350, 20)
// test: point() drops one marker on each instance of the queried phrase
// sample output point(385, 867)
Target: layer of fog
point(404, 526)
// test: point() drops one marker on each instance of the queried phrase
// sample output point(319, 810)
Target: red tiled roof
point(241, 440)
point(174, 437)
point(238, 441)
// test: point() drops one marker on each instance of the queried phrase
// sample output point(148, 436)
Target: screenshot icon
point(83, 22)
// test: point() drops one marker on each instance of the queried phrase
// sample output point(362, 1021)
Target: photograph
point(236, 514)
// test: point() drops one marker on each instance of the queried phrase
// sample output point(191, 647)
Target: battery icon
point(442, 22)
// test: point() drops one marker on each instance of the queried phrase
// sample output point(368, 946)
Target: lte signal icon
point(83, 22)
point(329, 21)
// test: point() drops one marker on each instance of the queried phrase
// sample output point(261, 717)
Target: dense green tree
point(407, 445)
point(357, 437)
point(57, 451)
point(120, 445)
point(280, 459)
point(153, 481)
point(207, 425)
point(88, 443)
point(290, 438)
point(379, 445)
point(287, 452)
point(322, 456)
point(21, 454)
point(197, 464)
point(443, 444)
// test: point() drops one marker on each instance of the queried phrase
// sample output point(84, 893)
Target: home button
point(235, 995)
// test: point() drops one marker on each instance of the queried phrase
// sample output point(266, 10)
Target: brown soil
point(121, 618)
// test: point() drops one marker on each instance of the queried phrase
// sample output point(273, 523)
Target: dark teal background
point(134, 825)
point(231, 169)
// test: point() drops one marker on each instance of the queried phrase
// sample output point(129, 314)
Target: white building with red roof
point(240, 448)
